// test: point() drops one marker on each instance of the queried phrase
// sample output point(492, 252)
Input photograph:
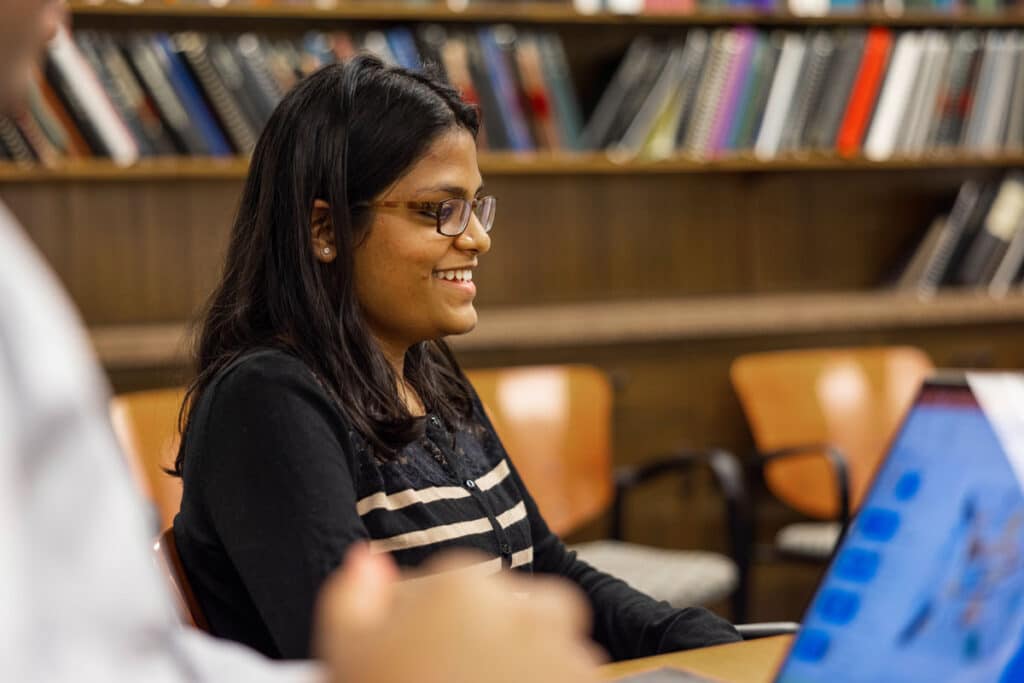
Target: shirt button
point(470, 484)
point(506, 549)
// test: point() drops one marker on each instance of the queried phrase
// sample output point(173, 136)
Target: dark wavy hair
point(344, 134)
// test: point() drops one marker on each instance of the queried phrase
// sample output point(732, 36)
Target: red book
point(670, 6)
point(865, 91)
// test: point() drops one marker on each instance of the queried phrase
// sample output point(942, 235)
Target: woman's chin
point(463, 323)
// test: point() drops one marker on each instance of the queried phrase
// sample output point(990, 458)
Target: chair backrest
point(555, 423)
point(853, 399)
point(146, 424)
point(169, 562)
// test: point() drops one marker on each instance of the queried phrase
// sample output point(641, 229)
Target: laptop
point(928, 583)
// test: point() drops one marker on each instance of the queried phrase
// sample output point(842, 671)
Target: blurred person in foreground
point(82, 599)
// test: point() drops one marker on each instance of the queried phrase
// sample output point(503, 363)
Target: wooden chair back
point(146, 424)
point(555, 423)
point(853, 399)
point(169, 562)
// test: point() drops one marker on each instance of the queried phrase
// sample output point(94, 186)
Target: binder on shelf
point(983, 256)
point(865, 91)
point(80, 84)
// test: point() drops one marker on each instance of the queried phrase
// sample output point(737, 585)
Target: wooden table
point(752, 661)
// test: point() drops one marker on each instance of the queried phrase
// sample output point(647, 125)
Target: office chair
point(822, 420)
point(555, 423)
point(169, 563)
point(146, 425)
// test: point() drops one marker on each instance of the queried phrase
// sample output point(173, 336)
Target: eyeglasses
point(452, 215)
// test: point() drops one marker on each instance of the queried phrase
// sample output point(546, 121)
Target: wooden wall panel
point(151, 251)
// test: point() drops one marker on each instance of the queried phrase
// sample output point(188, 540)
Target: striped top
point(277, 485)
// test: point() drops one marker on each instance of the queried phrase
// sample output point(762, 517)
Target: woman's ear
point(321, 232)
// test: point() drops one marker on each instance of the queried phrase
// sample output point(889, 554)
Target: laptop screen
point(928, 585)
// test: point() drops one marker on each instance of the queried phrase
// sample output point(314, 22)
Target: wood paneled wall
point(150, 251)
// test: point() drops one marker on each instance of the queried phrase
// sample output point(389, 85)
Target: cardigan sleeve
point(627, 623)
point(277, 481)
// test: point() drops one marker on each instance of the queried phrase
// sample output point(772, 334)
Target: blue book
point(403, 47)
point(191, 97)
point(509, 108)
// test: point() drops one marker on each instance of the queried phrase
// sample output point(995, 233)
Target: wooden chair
point(170, 565)
point(822, 420)
point(555, 423)
point(146, 424)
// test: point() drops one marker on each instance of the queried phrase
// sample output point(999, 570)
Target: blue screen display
point(928, 584)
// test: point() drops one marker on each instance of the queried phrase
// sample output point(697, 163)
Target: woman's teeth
point(461, 275)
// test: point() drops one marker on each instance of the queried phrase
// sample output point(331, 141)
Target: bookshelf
point(498, 163)
point(661, 272)
point(533, 14)
point(638, 322)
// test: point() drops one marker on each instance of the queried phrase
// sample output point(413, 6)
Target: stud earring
point(327, 251)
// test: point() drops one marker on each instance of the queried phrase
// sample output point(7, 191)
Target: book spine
point(189, 94)
point(193, 47)
point(560, 84)
point(780, 97)
point(505, 89)
point(820, 50)
point(78, 77)
point(885, 126)
point(865, 91)
point(735, 81)
point(989, 246)
point(14, 144)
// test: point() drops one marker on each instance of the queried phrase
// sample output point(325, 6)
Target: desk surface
point(752, 661)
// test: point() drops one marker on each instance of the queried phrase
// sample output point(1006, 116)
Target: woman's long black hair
point(344, 134)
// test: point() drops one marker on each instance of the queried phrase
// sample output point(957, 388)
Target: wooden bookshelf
point(640, 322)
point(527, 13)
point(502, 164)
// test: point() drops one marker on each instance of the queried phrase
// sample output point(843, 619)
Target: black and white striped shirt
point(278, 485)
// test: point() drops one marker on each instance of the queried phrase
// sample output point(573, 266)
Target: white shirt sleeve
point(81, 597)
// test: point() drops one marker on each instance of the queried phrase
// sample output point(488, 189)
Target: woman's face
point(398, 266)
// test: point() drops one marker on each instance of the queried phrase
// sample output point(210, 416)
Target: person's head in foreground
point(25, 26)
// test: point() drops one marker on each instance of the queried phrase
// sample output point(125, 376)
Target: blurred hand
point(451, 627)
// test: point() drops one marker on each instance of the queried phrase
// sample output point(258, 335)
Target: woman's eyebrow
point(453, 190)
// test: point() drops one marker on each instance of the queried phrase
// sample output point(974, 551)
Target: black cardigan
point(277, 485)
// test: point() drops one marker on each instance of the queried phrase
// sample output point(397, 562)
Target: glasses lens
point(453, 216)
point(485, 212)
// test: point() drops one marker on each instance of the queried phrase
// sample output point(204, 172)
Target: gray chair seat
point(813, 540)
point(680, 577)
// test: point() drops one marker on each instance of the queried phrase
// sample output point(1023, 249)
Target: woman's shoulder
point(268, 375)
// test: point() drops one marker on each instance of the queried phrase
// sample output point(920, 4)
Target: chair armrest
point(725, 467)
point(840, 470)
point(729, 477)
point(767, 629)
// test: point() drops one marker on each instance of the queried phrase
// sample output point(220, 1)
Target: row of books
point(132, 95)
point(800, 8)
point(874, 92)
point(709, 94)
point(655, 7)
point(979, 244)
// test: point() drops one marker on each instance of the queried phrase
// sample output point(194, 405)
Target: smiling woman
point(327, 408)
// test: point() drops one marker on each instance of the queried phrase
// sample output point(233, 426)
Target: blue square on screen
point(879, 524)
point(811, 645)
point(857, 565)
point(838, 606)
point(908, 485)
